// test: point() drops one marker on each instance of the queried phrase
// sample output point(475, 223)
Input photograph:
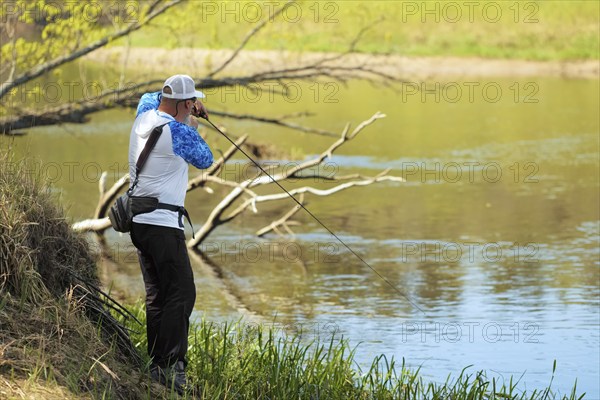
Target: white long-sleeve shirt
point(165, 174)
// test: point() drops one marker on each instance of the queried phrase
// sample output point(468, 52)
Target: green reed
point(243, 360)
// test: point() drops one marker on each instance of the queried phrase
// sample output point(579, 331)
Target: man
point(159, 235)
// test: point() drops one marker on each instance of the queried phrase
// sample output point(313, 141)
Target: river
point(491, 246)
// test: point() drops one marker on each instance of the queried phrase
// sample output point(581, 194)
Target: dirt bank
point(199, 62)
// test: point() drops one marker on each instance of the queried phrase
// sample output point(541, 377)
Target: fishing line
point(315, 218)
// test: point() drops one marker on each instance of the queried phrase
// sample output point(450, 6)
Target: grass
point(250, 361)
point(53, 345)
point(58, 342)
point(536, 30)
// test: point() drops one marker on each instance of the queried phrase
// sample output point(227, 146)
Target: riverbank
point(199, 62)
point(51, 348)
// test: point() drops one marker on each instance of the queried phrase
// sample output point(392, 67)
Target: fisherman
point(159, 235)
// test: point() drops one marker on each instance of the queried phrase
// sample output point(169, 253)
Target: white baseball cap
point(182, 87)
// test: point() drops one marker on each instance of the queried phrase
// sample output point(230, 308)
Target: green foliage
point(35, 32)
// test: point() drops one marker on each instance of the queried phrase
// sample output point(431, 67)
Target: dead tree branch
point(221, 214)
point(283, 222)
point(274, 121)
point(224, 211)
point(76, 112)
point(92, 225)
point(338, 67)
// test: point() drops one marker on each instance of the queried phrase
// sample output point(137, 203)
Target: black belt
point(181, 211)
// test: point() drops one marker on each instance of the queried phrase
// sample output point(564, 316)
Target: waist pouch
point(126, 207)
point(142, 205)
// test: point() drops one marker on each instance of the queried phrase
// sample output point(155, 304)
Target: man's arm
point(149, 101)
point(190, 146)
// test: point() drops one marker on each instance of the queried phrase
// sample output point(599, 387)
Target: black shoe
point(172, 377)
point(178, 378)
point(158, 374)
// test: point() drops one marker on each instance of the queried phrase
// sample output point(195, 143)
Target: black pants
point(170, 290)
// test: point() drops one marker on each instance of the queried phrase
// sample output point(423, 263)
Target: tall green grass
point(251, 361)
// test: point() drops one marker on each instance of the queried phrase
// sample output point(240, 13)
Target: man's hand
point(199, 111)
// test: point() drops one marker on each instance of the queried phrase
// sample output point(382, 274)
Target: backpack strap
point(150, 143)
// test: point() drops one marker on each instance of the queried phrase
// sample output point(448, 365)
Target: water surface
point(492, 244)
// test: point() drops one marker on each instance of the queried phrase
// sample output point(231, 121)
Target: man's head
point(179, 95)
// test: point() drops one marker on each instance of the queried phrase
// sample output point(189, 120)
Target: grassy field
point(536, 30)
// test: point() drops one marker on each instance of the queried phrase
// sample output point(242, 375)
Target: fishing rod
point(205, 116)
